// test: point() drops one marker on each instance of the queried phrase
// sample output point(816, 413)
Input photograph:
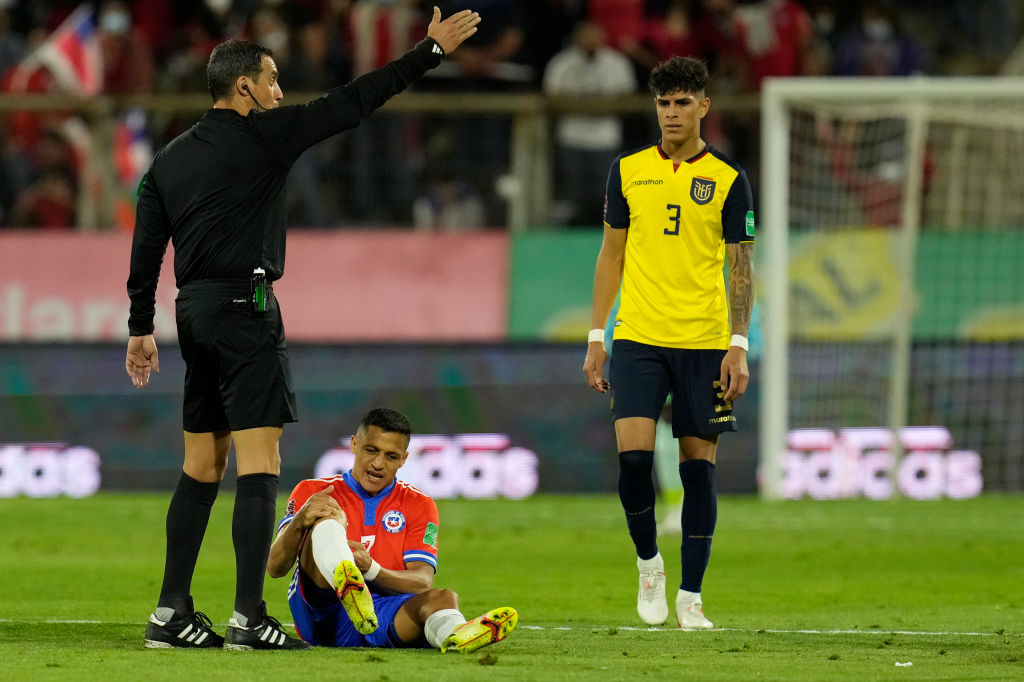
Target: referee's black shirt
point(217, 190)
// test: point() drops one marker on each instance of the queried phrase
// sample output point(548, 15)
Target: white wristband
point(740, 341)
point(596, 336)
point(370, 574)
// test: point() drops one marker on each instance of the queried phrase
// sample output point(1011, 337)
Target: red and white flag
point(71, 54)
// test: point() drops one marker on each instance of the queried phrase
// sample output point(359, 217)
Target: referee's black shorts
point(236, 360)
point(642, 376)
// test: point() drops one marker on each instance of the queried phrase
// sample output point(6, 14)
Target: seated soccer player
point(366, 546)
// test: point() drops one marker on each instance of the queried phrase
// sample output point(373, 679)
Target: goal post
point(872, 191)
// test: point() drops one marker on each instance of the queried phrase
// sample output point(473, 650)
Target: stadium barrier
point(103, 130)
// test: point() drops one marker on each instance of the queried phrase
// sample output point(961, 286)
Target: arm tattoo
point(741, 286)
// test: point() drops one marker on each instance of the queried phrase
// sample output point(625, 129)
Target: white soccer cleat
point(650, 599)
point(689, 616)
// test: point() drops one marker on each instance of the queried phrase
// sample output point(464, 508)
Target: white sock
point(440, 624)
point(164, 613)
point(330, 547)
point(685, 598)
point(655, 562)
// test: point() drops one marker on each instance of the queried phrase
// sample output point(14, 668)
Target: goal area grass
point(797, 590)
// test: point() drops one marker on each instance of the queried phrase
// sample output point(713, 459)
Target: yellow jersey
point(679, 218)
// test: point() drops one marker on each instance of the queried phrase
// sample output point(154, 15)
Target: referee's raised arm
point(294, 129)
point(454, 30)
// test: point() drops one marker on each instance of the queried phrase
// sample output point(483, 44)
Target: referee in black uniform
point(217, 192)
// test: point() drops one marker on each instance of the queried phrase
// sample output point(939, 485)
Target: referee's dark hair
point(686, 74)
point(387, 420)
point(231, 59)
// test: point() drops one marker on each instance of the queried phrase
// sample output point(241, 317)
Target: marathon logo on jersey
point(648, 181)
point(393, 521)
point(702, 190)
point(430, 536)
point(290, 509)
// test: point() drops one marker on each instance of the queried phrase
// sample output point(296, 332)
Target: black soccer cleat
point(264, 633)
point(193, 630)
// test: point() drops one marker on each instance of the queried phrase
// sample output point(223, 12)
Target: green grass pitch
point(847, 590)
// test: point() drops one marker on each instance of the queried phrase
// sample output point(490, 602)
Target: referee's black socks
point(187, 517)
point(636, 491)
point(252, 530)
point(700, 513)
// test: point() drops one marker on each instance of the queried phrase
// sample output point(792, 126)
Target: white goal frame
point(911, 96)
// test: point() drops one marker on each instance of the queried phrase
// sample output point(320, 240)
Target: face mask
point(115, 22)
point(218, 6)
point(877, 29)
point(275, 40)
point(825, 21)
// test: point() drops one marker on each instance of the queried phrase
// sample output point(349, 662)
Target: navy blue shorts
point(642, 376)
point(321, 619)
point(236, 361)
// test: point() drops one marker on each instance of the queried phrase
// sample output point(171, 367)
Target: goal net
point(891, 275)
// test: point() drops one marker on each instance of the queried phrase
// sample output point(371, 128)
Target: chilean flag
point(133, 151)
point(72, 53)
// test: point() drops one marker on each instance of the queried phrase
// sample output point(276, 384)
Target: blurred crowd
point(387, 173)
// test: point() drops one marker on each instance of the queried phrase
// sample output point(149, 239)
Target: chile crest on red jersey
point(393, 521)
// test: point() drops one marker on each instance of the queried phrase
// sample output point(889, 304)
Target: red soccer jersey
point(397, 525)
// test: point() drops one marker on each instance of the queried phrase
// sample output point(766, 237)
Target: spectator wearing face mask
point(128, 65)
point(878, 46)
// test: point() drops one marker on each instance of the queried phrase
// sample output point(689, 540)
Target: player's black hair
point(231, 59)
point(387, 420)
point(686, 74)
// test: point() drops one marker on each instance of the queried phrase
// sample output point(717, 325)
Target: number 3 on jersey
point(673, 215)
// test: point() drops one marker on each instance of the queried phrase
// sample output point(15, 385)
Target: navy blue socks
point(636, 491)
point(700, 512)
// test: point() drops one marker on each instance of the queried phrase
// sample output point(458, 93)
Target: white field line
point(628, 628)
point(777, 631)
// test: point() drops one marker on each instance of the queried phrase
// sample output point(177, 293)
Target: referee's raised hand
point(450, 33)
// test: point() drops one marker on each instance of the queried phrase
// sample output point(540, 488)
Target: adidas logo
point(193, 635)
point(272, 636)
point(437, 49)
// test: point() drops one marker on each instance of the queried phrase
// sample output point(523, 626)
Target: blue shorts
point(320, 618)
point(642, 376)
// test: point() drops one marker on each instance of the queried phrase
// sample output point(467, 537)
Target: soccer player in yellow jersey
point(673, 211)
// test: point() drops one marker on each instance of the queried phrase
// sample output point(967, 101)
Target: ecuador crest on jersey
point(702, 190)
